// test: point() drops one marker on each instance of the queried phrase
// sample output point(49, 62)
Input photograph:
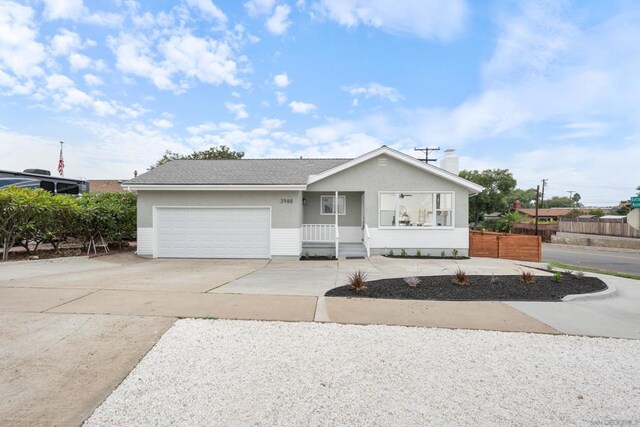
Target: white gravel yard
point(220, 372)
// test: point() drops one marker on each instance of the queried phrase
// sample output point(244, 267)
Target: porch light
point(304, 201)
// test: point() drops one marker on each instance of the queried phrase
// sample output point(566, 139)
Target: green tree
point(214, 153)
point(107, 216)
point(20, 211)
point(527, 197)
point(508, 220)
point(596, 212)
point(558, 202)
point(498, 185)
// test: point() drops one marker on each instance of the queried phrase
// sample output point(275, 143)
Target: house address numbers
point(286, 201)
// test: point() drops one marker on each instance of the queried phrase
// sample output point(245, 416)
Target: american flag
point(61, 163)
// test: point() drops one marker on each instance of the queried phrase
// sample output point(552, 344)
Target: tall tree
point(214, 153)
point(527, 197)
point(498, 185)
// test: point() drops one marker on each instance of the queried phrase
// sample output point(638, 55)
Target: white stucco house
point(264, 208)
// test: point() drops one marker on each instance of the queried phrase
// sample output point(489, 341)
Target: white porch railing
point(367, 238)
point(318, 232)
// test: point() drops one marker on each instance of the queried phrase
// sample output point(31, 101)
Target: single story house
point(264, 208)
point(549, 214)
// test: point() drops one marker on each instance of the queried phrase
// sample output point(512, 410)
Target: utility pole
point(537, 203)
point(544, 184)
point(427, 150)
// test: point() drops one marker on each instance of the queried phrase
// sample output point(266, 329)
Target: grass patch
point(558, 265)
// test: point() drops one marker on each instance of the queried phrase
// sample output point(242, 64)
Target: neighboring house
point(551, 214)
point(105, 185)
point(266, 208)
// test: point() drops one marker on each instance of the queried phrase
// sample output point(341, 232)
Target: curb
point(611, 291)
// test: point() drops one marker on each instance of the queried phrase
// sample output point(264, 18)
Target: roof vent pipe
point(450, 162)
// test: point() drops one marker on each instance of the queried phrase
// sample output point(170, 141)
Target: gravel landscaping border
point(479, 288)
point(219, 372)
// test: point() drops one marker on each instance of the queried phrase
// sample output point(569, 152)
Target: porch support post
point(335, 212)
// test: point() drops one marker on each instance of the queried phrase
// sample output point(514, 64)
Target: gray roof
point(238, 172)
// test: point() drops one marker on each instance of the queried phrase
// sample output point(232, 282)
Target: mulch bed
point(480, 288)
point(425, 257)
point(317, 258)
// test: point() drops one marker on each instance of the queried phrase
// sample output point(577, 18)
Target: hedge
point(29, 217)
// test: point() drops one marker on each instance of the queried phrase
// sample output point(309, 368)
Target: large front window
point(415, 209)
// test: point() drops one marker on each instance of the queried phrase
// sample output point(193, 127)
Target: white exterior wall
point(145, 241)
point(423, 238)
point(286, 241)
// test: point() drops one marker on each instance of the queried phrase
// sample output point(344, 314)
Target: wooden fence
point(544, 230)
point(603, 227)
point(503, 245)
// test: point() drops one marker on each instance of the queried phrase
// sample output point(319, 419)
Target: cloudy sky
point(545, 89)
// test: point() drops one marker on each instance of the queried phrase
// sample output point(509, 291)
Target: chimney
point(135, 174)
point(450, 161)
point(517, 204)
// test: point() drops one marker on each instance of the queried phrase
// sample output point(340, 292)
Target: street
point(596, 257)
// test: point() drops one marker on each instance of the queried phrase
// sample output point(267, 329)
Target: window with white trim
point(328, 205)
point(415, 209)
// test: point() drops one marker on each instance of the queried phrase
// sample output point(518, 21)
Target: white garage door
point(213, 232)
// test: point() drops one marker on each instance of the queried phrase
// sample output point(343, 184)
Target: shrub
point(494, 278)
point(403, 252)
point(579, 274)
point(357, 281)
point(454, 253)
point(527, 277)
point(568, 271)
point(418, 253)
point(412, 281)
point(549, 267)
point(460, 278)
point(442, 254)
point(557, 277)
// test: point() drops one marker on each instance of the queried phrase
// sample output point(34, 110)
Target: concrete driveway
point(73, 328)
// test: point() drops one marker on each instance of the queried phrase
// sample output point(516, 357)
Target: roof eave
point(219, 187)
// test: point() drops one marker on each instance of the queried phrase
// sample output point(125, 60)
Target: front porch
point(333, 224)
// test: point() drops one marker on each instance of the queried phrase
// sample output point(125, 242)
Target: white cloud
point(374, 90)
point(278, 23)
point(209, 10)
point(20, 53)
point(93, 80)
point(281, 80)
point(65, 42)
point(162, 123)
point(239, 110)
point(301, 107)
point(79, 61)
point(75, 10)
point(63, 9)
point(259, 7)
point(429, 19)
point(272, 123)
point(281, 97)
point(182, 56)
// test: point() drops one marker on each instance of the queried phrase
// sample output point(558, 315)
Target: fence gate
point(503, 245)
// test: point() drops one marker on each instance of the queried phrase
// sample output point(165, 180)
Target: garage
point(194, 232)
